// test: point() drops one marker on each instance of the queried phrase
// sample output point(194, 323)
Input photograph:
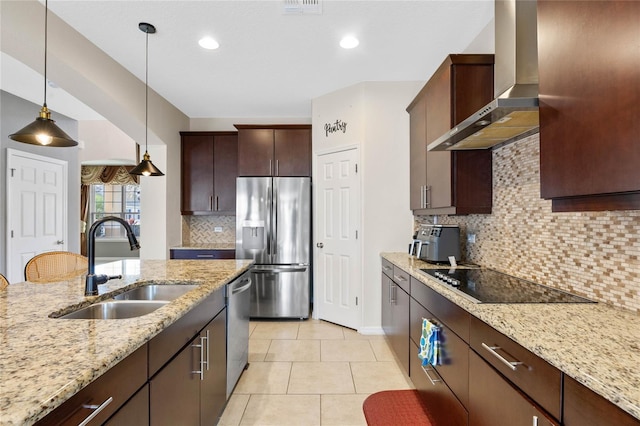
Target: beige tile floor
point(306, 373)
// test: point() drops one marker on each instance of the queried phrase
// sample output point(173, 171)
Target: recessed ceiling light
point(349, 42)
point(208, 43)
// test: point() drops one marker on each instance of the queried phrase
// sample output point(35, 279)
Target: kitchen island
point(593, 343)
point(44, 360)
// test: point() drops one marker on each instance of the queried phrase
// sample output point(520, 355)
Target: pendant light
point(146, 167)
point(43, 131)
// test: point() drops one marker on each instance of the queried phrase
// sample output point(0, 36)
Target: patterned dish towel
point(430, 347)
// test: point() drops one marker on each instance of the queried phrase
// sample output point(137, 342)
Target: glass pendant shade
point(43, 131)
point(146, 167)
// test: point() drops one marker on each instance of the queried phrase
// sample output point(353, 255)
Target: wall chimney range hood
point(513, 114)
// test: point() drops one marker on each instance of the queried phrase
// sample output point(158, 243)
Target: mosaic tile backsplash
point(201, 230)
point(592, 254)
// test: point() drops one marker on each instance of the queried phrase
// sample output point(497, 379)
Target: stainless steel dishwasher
point(238, 311)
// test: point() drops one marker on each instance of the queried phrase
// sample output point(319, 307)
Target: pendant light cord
point(146, 93)
point(46, 13)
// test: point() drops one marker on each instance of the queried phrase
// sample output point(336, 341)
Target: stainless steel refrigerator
point(273, 227)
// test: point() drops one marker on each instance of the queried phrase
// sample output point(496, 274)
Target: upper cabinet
point(450, 182)
point(278, 150)
point(209, 170)
point(589, 69)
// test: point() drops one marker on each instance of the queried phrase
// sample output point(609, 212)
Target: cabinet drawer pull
point(513, 365)
point(399, 278)
point(201, 371)
point(208, 256)
point(97, 409)
point(386, 268)
point(433, 381)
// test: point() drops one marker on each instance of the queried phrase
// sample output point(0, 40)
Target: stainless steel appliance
point(273, 227)
point(238, 306)
point(489, 286)
point(435, 243)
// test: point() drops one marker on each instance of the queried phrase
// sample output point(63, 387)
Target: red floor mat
point(396, 408)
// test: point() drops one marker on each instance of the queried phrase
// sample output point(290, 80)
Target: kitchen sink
point(116, 309)
point(166, 292)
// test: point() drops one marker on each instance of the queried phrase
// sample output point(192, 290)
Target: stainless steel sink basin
point(165, 292)
point(116, 309)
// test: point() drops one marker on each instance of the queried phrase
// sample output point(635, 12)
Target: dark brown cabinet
point(135, 412)
point(209, 170)
point(583, 407)
point(589, 104)
point(278, 150)
point(195, 381)
point(395, 309)
point(494, 401)
point(450, 182)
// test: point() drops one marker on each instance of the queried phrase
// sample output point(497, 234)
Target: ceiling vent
point(302, 7)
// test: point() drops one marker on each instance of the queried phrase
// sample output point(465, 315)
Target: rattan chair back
point(55, 266)
point(3, 282)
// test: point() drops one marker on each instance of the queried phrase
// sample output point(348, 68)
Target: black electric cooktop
point(489, 286)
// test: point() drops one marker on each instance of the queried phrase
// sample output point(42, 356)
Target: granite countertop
point(208, 246)
point(596, 344)
point(44, 361)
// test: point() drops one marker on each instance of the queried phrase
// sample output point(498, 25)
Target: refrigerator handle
point(274, 226)
point(268, 234)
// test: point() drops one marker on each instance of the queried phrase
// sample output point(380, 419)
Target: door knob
point(319, 245)
point(60, 242)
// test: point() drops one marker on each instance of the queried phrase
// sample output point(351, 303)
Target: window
point(115, 200)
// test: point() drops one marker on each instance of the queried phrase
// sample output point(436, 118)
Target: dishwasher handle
point(241, 288)
point(279, 270)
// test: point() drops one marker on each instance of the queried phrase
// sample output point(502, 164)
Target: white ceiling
point(269, 63)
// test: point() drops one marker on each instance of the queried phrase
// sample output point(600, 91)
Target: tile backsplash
point(593, 254)
point(201, 230)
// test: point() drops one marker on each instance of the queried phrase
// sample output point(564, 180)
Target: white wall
point(103, 143)
point(379, 125)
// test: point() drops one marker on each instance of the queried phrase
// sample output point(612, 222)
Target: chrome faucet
point(92, 280)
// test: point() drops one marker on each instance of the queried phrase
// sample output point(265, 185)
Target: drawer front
point(442, 403)
point(387, 268)
point(455, 364)
point(202, 254)
point(534, 376)
point(453, 316)
point(583, 407)
point(119, 384)
point(401, 278)
point(494, 401)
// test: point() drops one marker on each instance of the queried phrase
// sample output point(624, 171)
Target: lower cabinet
point(443, 404)
point(494, 401)
point(395, 313)
point(134, 412)
point(583, 407)
point(191, 389)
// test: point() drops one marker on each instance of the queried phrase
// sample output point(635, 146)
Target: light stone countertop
point(596, 344)
point(44, 361)
point(206, 246)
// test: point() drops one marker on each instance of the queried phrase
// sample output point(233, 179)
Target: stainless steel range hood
point(513, 114)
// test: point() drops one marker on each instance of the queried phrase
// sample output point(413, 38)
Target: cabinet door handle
point(211, 202)
point(433, 381)
point(427, 196)
point(277, 167)
point(513, 365)
point(270, 169)
point(393, 294)
point(207, 339)
point(535, 421)
point(201, 371)
point(96, 410)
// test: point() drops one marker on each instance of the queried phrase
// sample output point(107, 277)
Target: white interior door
point(337, 277)
point(36, 208)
